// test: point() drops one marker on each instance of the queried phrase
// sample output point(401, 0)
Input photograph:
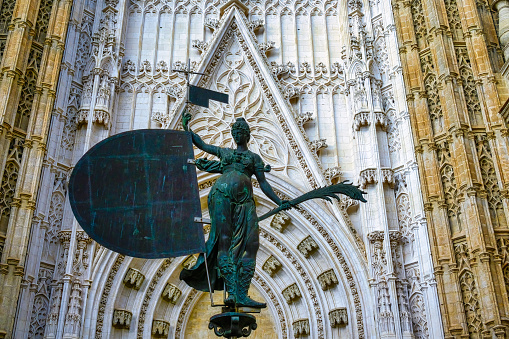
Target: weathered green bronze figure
point(234, 235)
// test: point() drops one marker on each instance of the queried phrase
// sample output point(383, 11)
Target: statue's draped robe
point(232, 213)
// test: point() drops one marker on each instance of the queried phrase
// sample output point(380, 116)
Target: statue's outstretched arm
point(197, 140)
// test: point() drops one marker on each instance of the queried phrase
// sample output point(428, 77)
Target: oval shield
point(135, 193)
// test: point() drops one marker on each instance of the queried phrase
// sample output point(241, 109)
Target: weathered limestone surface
point(31, 56)
point(451, 59)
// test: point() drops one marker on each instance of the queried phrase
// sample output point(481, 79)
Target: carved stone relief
point(133, 278)
point(271, 265)
point(122, 318)
point(338, 317)
point(171, 293)
point(291, 293)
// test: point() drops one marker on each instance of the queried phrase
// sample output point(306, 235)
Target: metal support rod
point(208, 280)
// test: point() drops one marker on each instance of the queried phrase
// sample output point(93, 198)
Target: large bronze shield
point(135, 193)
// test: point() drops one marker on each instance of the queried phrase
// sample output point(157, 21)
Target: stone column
point(14, 64)
point(502, 6)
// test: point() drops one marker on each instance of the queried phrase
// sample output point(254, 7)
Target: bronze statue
point(234, 235)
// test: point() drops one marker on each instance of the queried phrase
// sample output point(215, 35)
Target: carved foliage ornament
point(307, 246)
point(301, 327)
point(338, 317)
point(160, 328)
point(327, 279)
point(122, 318)
point(133, 278)
point(291, 293)
point(280, 221)
point(271, 265)
point(171, 293)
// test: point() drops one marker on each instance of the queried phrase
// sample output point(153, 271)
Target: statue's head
point(241, 131)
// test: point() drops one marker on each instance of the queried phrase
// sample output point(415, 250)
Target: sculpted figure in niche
point(234, 235)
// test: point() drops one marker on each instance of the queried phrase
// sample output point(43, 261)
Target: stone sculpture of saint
point(234, 234)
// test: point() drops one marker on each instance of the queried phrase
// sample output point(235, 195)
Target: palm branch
point(326, 193)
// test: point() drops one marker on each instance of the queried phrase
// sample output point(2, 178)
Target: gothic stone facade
point(328, 99)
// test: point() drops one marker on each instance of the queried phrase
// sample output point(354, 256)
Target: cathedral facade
point(403, 98)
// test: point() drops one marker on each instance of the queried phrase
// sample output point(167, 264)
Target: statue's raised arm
point(197, 141)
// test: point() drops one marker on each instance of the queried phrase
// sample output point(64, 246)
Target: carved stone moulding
point(190, 261)
point(255, 25)
point(388, 176)
point(376, 236)
point(318, 145)
point(301, 327)
point(291, 293)
point(200, 45)
point(280, 221)
point(307, 246)
point(212, 24)
point(368, 176)
point(265, 47)
point(122, 319)
point(338, 317)
point(303, 118)
point(279, 70)
point(171, 293)
point(381, 120)
point(347, 202)
point(291, 92)
point(160, 328)
point(133, 278)
point(327, 279)
point(101, 116)
point(271, 265)
point(360, 119)
point(161, 118)
point(332, 173)
point(82, 116)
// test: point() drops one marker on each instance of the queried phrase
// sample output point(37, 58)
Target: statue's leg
point(246, 265)
point(245, 273)
point(227, 271)
point(225, 263)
